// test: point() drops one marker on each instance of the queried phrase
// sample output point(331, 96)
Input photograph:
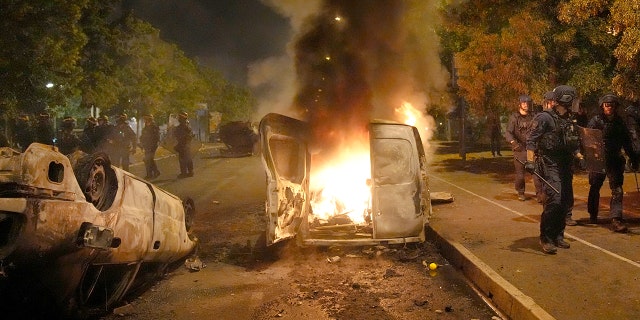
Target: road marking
point(567, 234)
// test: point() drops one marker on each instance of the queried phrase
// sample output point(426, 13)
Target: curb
point(502, 294)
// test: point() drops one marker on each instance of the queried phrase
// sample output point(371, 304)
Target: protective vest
point(563, 138)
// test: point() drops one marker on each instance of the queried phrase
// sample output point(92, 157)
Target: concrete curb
point(507, 298)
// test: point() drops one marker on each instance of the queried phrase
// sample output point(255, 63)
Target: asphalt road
point(243, 280)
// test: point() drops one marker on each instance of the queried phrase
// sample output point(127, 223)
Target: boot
point(547, 246)
point(618, 226)
point(570, 222)
point(560, 243)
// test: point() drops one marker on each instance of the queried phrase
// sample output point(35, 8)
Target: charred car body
point(400, 200)
point(82, 232)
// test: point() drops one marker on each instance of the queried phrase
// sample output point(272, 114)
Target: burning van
point(375, 195)
point(83, 232)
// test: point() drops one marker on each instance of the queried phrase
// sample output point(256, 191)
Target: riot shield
point(593, 149)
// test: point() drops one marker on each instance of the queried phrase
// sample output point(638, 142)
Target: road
point(244, 280)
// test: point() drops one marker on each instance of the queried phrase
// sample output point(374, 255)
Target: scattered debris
point(333, 259)
point(441, 197)
point(420, 303)
point(194, 264)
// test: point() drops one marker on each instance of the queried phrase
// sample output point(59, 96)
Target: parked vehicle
point(78, 234)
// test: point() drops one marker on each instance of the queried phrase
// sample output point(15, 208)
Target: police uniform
point(555, 142)
point(67, 141)
point(616, 138)
point(43, 130)
point(518, 130)
point(124, 142)
point(183, 135)
point(149, 139)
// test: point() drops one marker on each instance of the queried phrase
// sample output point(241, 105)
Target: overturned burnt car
point(78, 235)
point(396, 203)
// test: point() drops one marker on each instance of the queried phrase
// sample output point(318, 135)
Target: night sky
point(227, 35)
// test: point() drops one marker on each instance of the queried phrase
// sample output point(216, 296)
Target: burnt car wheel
point(189, 213)
point(103, 286)
point(98, 180)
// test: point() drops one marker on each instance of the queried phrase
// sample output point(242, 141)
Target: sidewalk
point(492, 238)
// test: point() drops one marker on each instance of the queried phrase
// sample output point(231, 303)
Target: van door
point(287, 162)
point(400, 196)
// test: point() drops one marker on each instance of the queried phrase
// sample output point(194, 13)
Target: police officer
point(616, 137)
point(89, 137)
point(553, 144)
point(124, 142)
point(43, 130)
point(68, 141)
point(104, 136)
point(518, 129)
point(149, 139)
point(183, 135)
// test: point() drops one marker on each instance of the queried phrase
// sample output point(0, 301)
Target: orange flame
point(341, 185)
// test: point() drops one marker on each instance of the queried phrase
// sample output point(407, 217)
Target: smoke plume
point(354, 61)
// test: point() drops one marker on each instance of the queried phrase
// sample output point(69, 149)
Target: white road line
point(567, 234)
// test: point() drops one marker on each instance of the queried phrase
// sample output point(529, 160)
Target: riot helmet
point(609, 98)
point(564, 95)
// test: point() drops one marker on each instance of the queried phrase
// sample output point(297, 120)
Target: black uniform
point(616, 138)
point(555, 141)
point(68, 141)
point(149, 139)
point(632, 119)
point(43, 131)
point(183, 135)
point(124, 143)
point(518, 130)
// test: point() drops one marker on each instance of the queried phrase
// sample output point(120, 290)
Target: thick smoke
point(355, 61)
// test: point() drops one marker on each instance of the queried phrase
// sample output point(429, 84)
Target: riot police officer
point(68, 141)
point(518, 129)
point(43, 130)
point(615, 137)
point(553, 144)
point(124, 142)
point(184, 135)
point(149, 139)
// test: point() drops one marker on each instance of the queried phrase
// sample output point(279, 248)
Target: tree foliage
point(96, 56)
point(506, 48)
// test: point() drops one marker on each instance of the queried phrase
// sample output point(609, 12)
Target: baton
point(635, 174)
point(539, 176)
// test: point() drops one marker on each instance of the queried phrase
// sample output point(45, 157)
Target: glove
point(515, 146)
point(582, 163)
point(530, 167)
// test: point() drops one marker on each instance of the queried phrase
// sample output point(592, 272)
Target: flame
point(409, 113)
point(339, 186)
point(342, 185)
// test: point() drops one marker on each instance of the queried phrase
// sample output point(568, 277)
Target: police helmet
point(565, 94)
point(525, 98)
point(183, 115)
point(550, 95)
point(122, 118)
point(103, 118)
point(92, 120)
point(609, 98)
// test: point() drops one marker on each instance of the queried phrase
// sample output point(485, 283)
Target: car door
point(400, 196)
point(287, 162)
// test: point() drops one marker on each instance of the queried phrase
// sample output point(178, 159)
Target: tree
point(40, 44)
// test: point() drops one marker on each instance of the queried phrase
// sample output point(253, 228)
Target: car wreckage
point(400, 201)
point(81, 232)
